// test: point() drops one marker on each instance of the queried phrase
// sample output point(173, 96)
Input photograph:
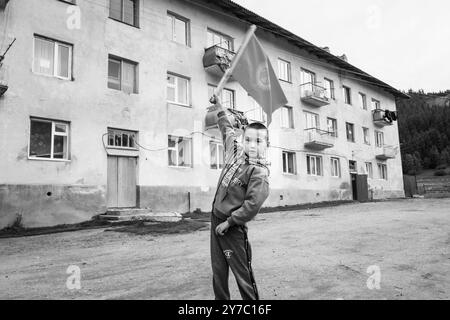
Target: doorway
point(121, 182)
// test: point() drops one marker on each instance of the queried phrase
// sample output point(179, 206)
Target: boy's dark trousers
point(232, 250)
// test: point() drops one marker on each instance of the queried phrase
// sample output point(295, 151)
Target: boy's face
point(255, 143)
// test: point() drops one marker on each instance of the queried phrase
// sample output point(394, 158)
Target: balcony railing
point(314, 94)
point(383, 118)
point(3, 4)
point(386, 152)
point(317, 139)
point(217, 60)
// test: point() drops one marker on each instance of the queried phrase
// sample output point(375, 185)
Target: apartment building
point(103, 104)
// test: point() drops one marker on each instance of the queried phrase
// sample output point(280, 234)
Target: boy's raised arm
point(233, 148)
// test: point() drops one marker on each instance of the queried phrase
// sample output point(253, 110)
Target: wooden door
point(121, 191)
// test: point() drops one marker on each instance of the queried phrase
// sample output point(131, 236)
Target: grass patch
point(163, 228)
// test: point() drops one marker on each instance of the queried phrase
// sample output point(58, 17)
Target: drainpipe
point(189, 201)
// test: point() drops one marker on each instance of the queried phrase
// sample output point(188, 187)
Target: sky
point(403, 43)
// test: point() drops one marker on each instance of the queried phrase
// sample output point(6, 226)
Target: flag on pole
point(255, 73)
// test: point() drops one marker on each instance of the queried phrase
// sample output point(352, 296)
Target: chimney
point(327, 49)
point(343, 57)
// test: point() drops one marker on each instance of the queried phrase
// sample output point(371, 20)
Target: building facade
point(103, 106)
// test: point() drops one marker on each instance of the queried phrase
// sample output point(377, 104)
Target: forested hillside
point(424, 125)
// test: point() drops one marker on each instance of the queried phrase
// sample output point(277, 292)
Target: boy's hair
point(258, 126)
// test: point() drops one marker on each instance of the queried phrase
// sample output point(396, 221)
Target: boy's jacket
point(243, 186)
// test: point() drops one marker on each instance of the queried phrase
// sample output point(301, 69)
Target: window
point(347, 95)
point(350, 131)
point(329, 86)
point(352, 166)
point(227, 97)
point(311, 120)
point(220, 40)
point(369, 170)
point(379, 139)
point(363, 100)
point(126, 11)
point(122, 75)
point(216, 152)
point(178, 29)
point(308, 77)
point(289, 162)
point(284, 70)
point(177, 90)
point(256, 113)
point(366, 135)
point(332, 127)
point(49, 139)
point(382, 171)
point(180, 152)
point(287, 118)
point(314, 165)
point(121, 138)
point(376, 104)
point(52, 58)
point(335, 167)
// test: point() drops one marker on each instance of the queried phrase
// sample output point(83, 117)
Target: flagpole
point(229, 71)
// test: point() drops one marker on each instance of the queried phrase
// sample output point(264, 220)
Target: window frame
point(363, 99)
point(369, 169)
point(56, 44)
point(217, 146)
point(353, 131)
point(335, 132)
point(174, 16)
point(316, 116)
point(233, 92)
point(332, 94)
point(288, 70)
point(222, 36)
point(317, 160)
point(176, 149)
point(334, 160)
point(383, 171)
point(136, 73)
point(188, 89)
point(379, 143)
point(123, 131)
point(136, 13)
point(285, 162)
point(52, 139)
point(345, 88)
point(366, 134)
point(290, 119)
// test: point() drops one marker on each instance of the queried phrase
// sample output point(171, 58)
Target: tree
point(434, 157)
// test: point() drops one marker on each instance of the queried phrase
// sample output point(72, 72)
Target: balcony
point(386, 152)
point(217, 60)
point(382, 118)
point(3, 4)
point(317, 139)
point(314, 94)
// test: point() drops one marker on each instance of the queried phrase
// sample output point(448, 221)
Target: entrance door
point(360, 188)
point(121, 182)
point(354, 187)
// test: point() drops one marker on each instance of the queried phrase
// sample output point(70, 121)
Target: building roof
point(252, 18)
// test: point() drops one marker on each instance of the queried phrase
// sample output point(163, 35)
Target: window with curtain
point(363, 100)
point(284, 70)
point(177, 90)
point(366, 135)
point(52, 58)
point(180, 151)
point(289, 162)
point(347, 92)
point(350, 131)
point(332, 127)
point(126, 11)
point(314, 165)
point(382, 171)
point(311, 120)
point(215, 38)
point(369, 170)
point(329, 87)
point(376, 104)
point(379, 139)
point(217, 155)
point(49, 139)
point(287, 118)
point(122, 75)
point(335, 167)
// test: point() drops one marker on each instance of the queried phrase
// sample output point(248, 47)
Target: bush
point(441, 167)
point(440, 173)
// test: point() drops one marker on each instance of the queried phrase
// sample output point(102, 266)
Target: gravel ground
point(321, 253)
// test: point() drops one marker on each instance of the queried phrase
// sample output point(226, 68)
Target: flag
point(255, 73)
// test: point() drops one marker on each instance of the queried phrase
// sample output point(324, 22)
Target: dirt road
point(321, 253)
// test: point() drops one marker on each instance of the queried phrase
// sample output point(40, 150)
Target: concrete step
point(141, 215)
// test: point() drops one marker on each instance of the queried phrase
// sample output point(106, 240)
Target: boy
point(242, 189)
